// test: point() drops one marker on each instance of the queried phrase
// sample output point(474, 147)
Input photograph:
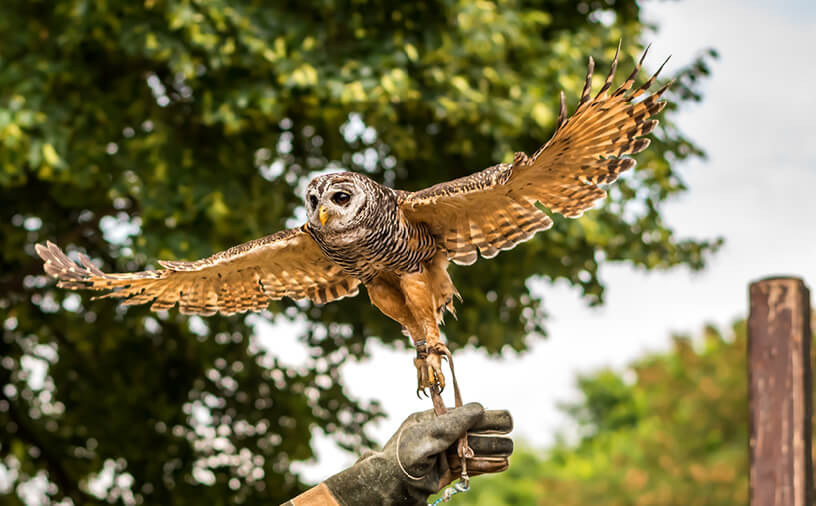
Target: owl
point(398, 244)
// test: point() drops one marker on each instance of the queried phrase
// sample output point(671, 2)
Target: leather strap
point(462, 449)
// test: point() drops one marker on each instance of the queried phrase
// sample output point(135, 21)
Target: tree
point(676, 435)
point(174, 128)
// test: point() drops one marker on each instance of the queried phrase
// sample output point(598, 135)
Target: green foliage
point(176, 128)
point(677, 435)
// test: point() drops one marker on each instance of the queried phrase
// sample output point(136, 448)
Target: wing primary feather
point(562, 113)
point(612, 135)
point(587, 84)
point(624, 127)
point(601, 122)
point(663, 89)
point(86, 262)
point(611, 75)
point(645, 86)
point(630, 79)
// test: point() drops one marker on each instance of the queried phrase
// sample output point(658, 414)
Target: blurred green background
point(670, 430)
point(173, 129)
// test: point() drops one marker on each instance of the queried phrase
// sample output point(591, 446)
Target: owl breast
point(383, 242)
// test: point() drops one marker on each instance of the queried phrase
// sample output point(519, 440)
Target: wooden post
point(780, 393)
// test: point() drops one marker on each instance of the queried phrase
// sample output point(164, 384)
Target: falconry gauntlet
point(420, 458)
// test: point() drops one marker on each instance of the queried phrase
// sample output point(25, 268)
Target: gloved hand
point(420, 459)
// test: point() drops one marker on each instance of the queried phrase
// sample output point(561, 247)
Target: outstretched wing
point(243, 278)
point(495, 209)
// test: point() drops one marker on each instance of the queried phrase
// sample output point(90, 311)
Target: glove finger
point(484, 466)
point(479, 465)
point(434, 436)
point(494, 421)
point(488, 446)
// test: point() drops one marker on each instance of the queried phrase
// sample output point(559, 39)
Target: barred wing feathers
point(243, 278)
point(494, 209)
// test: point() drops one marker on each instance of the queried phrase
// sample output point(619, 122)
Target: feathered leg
point(423, 293)
point(387, 294)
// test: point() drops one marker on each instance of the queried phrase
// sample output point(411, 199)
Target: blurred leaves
point(176, 128)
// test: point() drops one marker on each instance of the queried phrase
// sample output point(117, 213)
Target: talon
point(440, 349)
point(429, 367)
point(424, 375)
point(440, 381)
point(435, 376)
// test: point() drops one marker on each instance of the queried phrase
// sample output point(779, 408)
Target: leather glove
point(420, 459)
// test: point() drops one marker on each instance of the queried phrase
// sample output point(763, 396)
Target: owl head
point(337, 202)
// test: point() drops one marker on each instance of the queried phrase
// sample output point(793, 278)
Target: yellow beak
point(323, 215)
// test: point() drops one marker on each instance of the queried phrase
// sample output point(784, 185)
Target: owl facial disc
point(335, 202)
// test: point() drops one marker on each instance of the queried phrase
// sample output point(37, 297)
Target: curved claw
point(429, 375)
point(429, 369)
point(439, 381)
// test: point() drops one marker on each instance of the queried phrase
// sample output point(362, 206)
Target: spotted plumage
point(397, 243)
point(382, 240)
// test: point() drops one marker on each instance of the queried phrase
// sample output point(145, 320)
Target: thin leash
point(464, 451)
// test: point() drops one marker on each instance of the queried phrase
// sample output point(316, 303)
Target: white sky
point(757, 126)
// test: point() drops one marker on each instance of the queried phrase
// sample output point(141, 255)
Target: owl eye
point(313, 201)
point(341, 198)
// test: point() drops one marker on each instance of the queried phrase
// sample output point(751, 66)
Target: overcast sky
point(755, 189)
